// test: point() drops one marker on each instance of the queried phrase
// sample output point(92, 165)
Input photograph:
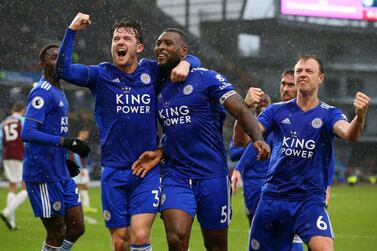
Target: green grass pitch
point(353, 211)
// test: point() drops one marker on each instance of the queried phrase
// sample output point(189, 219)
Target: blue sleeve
point(218, 87)
point(30, 133)
point(235, 152)
point(248, 159)
point(77, 74)
point(334, 116)
point(194, 61)
point(266, 118)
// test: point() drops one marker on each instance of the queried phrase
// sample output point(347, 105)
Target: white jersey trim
point(46, 207)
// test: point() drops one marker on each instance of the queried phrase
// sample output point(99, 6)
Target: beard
point(165, 68)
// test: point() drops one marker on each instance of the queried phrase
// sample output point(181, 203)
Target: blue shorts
point(277, 221)
point(208, 198)
point(252, 193)
point(124, 195)
point(50, 199)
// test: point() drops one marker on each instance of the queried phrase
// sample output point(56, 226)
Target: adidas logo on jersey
point(61, 104)
point(286, 121)
point(46, 85)
point(115, 80)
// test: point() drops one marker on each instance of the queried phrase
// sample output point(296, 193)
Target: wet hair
point(307, 57)
point(182, 35)
point(43, 51)
point(128, 23)
point(18, 107)
point(288, 72)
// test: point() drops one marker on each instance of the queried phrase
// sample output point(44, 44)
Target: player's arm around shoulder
point(351, 130)
point(182, 70)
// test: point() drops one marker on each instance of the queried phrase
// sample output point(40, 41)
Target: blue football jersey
point(302, 148)
point(125, 106)
point(250, 168)
point(48, 106)
point(192, 117)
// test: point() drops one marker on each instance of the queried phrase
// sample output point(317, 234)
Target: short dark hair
point(288, 72)
point(18, 106)
point(181, 33)
point(43, 51)
point(129, 23)
point(307, 57)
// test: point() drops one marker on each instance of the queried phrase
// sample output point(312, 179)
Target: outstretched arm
point(351, 131)
point(77, 74)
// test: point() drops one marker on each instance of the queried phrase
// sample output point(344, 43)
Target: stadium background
point(250, 42)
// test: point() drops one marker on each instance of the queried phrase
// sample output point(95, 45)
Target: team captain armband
point(226, 95)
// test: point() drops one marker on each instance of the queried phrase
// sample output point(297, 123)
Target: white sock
point(84, 198)
point(10, 214)
point(20, 197)
point(10, 198)
point(47, 247)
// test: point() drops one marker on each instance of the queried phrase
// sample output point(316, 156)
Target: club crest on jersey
point(188, 89)
point(255, 244)
point(145, 78)
point(317, 123)
point(37, 102)
point(106, 215)
point(57, 205)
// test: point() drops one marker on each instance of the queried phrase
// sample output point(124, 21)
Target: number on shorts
point(11, 132)
point(224, 214)
point(321, 224)
point(155, 192)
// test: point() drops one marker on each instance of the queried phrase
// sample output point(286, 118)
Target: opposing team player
point(125, 110)
point(82, 179)
point(13, 154)
point(52, 192)
point(196, 178)
point(294, 191)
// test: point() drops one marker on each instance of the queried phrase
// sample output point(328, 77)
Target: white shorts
point(83, 177)
point(13, 170)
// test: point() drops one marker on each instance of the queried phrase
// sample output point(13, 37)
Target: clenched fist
point(81, 21)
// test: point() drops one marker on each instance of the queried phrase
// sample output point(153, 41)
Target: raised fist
point(81, 21)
